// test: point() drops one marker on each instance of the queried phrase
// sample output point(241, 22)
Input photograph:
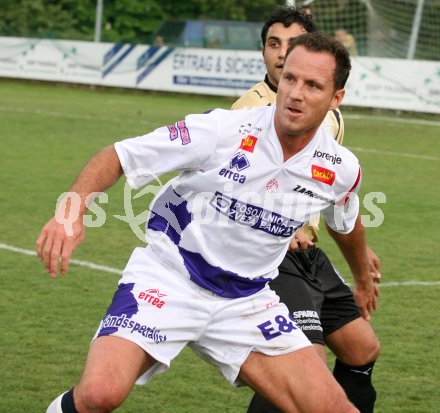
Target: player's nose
point(283, 50)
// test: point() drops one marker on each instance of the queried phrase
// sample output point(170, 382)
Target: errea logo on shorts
point(152, 296)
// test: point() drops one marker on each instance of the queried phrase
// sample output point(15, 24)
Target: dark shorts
point(315, 293)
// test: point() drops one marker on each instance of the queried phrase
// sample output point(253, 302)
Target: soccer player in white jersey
point(216, 235)
point(308, 283)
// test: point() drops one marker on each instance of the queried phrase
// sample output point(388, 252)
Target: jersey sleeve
point(259, 95)
point(185, 145)
point(334, 124)
point(341, 216)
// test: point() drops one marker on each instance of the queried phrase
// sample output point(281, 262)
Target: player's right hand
point(56, 244)
point(299, 241)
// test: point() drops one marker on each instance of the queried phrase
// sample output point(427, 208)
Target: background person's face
point(275, 47)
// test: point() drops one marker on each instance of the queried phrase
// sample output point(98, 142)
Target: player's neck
point(292, 144)
point(272, 85)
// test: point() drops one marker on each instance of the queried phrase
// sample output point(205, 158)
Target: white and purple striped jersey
point(227, 219)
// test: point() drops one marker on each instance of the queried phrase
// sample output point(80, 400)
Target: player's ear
point(337, 98)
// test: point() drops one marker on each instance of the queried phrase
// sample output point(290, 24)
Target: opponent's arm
point(354, 248)
point(54, 242)
point(300, 241)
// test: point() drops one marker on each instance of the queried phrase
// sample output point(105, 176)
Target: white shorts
point(162, 311)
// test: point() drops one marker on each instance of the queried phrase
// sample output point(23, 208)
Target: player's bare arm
point(354, 248)
point(55, 245)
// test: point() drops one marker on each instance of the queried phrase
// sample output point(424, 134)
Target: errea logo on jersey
point(323, 175)
point(238, 162)
point(152, 296)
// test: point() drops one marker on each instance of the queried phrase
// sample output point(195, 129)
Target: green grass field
point(48, 132)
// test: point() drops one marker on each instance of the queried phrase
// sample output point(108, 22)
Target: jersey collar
point(271, 86)
point(307, 151)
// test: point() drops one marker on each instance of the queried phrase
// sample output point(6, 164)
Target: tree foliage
point(47, 18)
point(123, 20)
point(250, 10)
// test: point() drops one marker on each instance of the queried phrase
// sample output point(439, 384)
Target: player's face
point(305, 93)
point(274, 50)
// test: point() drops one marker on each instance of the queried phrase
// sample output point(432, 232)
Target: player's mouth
point(294, 111)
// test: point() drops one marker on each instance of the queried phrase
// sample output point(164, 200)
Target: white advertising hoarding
point(374, 82)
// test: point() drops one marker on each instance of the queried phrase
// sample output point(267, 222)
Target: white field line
point(119, 272)
point(56, 114)
point(72, 261)
point(398, 154)
point(394, 119)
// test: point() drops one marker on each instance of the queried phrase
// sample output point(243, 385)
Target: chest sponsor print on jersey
point(303, 190)
point(248, 143)
point(254, 216)
point(334, 159)
point(323, 175)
